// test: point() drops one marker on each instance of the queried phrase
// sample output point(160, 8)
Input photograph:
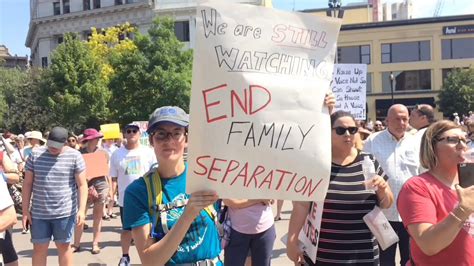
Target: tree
point(457, 94)
point(75, 91)
point(108, 43)
point(26, 110)
point(157, 73)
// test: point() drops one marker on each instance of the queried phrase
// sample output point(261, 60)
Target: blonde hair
point(431, 136)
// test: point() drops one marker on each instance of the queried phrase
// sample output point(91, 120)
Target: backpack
point(157, 209)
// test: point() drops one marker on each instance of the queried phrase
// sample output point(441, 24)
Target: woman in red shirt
point(436, 211)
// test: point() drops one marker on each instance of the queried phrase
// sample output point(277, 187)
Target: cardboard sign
point(349, 86)
point(111, 131)
point(258, 124)
point(96, 164)
point(309, 234)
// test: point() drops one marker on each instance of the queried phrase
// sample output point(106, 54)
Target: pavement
point(111, 252)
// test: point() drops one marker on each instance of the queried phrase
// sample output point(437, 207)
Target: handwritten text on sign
point(349, 86)
point(258, 126)
point(309, 234)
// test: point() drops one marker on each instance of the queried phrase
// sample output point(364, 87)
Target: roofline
point(407, 22)
point(79, 14)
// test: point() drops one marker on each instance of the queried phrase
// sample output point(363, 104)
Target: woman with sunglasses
point(436, 211)
point(344, 237)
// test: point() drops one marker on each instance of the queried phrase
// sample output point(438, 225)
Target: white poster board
point(349, 85)
point(258, 124)
point(309, 234)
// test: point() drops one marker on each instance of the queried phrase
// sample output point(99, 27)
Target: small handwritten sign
point(309, 234)
point(349, 85)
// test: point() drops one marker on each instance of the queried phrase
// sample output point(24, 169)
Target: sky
point(15, 15)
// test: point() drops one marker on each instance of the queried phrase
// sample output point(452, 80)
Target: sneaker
point(106, 217)
point(124, 261)
point(25, 231)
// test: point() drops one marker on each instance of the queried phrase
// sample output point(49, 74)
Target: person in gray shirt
point(54, 175)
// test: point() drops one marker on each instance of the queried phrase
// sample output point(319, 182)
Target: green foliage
point(19, 111)
point(457, 94)
point(25, 109)
point(157, 73)
point(74, 90)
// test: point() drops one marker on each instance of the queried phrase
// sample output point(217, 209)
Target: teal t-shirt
point(202, 239)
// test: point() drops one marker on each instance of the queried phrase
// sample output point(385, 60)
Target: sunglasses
point(455, 140)
point(129, 131)
point(342, 130)
point(71, 140)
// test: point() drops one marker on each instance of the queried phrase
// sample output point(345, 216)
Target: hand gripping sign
point(259, 127)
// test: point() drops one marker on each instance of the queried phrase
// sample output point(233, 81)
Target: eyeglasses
point(129, 131)
point(164, 135)
point(71, 140)
point(342, 130)
point(455, 140)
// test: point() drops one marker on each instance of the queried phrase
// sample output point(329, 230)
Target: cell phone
point(466, 174)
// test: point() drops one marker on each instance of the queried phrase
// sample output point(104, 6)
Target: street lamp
point(392, 78)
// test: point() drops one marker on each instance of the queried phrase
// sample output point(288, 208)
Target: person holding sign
point(436, 211)
point(98, 197)
point(344, 238)
point(169, 226)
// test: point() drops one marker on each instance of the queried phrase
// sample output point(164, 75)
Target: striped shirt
point(344, 236)
point(54, 183)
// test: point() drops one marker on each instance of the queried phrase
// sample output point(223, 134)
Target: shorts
point(102, 187)
point(60, 230)
point(7, 249)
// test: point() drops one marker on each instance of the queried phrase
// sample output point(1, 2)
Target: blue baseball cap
point(171, 114)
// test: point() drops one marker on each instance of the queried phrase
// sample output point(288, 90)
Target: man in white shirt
point(393, 148)
point(128, 163)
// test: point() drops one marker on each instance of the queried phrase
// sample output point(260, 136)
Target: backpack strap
point(158, 210)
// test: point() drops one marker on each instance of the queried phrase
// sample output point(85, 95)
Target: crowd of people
point(415, 182)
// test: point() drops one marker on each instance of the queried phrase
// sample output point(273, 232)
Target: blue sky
point(15, 15)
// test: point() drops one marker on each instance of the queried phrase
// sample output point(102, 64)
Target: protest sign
point(97, 164)
point(258, 124)
point(309, 234)
point(349, 85)
point(111, 131)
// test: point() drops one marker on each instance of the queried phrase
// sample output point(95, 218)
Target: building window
point(60, 39)
point(56, 8)
point(86, 4)
point(354, 54)
point(96, 4)
point(369, 82)
point(457, 48)
point(44, 62)
point(66, 8)
point(406, 52)
point(181, 29)
point(410, 80)
point(86, 35)
point(118, 2)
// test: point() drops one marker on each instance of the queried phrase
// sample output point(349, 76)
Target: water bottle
point(368, 170)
